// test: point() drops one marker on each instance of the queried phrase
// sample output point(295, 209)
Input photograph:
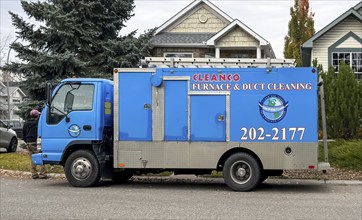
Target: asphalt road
point(24, 198)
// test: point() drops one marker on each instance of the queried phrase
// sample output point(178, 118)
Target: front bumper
point(37, 159)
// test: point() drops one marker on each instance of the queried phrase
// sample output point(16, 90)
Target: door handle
point(221, 118)
point(147, 106)
point(87, 127)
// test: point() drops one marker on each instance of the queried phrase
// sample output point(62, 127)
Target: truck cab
point(77, 116)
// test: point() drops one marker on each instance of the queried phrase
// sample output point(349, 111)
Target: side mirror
point(48, 91)
point(68, 104)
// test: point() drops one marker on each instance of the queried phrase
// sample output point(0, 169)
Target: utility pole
point(8, 80)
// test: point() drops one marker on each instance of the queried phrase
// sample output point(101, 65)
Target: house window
point(353, 59)
point(16, 100)
point(181, 55)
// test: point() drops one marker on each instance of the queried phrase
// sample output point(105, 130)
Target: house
point(339, 40)
point(202, 30)
point(16, 97)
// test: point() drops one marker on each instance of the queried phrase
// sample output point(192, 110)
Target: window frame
point(336, 60)
point(335, 48)
point(56, 114)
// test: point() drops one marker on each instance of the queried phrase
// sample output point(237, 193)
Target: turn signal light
point(122, 165)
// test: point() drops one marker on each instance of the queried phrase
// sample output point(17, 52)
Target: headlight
point(38, 144)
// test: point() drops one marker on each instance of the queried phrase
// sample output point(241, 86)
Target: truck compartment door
point(135, 102)
point(176, 114)
point(208, 118)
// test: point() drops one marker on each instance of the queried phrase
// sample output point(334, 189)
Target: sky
point(268, 18)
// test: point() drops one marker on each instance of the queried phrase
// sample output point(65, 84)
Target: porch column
point(258, 52)
point(217, 52)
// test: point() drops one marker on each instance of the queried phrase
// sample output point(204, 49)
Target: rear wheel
point(13, 145)
point(82, 168)
point(242, 172)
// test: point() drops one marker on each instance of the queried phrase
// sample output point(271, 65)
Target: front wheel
point(82, 169)
point(13, 145)
point(242, 172)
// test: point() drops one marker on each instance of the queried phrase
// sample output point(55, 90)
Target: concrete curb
point(16, 173)
point(316, 181)
point(193, 178)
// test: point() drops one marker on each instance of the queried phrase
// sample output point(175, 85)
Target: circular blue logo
point(273, 108)
point(74, 130)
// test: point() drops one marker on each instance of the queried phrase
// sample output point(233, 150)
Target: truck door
point(77, 101)
point(208, 117)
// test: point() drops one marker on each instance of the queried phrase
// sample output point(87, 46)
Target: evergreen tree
point(300, 29)
point(75, 38)
point(343, 103)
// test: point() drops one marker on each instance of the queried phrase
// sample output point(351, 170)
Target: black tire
point(122, 176)
point(82, 169)
point(13, 145)
point(242, 172)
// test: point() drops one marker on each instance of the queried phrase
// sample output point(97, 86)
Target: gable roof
point(188, 8)
point(16, 89)
point(358, 6)
point(2, 85)
point(351, 12)
point(231, 26)
point(12, 90)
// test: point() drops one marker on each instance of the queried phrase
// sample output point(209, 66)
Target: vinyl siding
point(350, 43)
point(321, 45)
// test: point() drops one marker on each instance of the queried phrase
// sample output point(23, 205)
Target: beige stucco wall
point(321, 45)
point(237, 38)
point(192, 24)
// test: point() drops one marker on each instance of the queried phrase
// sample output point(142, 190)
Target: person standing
point(30, 134)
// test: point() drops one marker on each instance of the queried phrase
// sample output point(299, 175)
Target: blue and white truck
point(250, 123)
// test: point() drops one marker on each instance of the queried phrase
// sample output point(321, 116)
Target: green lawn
point(21, 161)
point(342, 154)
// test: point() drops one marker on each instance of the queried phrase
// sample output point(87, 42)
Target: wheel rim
point(81, 168)
point(240, 172)
point(13, 145)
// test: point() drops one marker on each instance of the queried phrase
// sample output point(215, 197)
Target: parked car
point(8, 137)
point(16, 125)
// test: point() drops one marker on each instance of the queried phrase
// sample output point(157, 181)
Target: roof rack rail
point(173, 62)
